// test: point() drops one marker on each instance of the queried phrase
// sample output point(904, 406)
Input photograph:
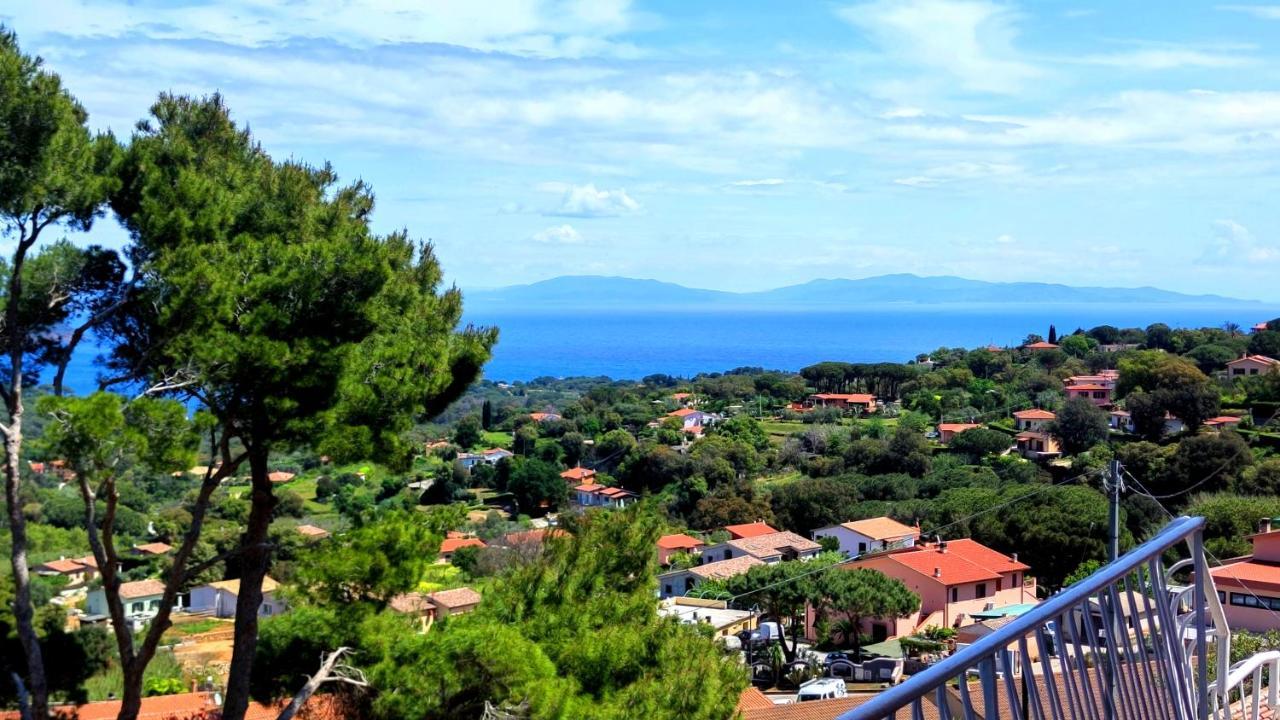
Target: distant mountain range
point(597, 292)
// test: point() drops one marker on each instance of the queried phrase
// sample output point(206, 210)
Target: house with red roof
point(279, 477)
point(947, 431)
point(1223, 422)
point(769, 547)
point(1037, 445)
point(748, 530)
point(1249, 586)
point(859, 537)
point(692, 420)
point(77, 571)
point(1039, 346)
point(954, 579)
point(1096, 393)
point(450, 545)
point(1251, 365)
point(594, 495)
point(856, 402)
point(669, 545)
point(1034, 419)
point(547, 416)
point(578, 475)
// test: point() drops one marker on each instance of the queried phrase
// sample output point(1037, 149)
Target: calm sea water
point(630, 344)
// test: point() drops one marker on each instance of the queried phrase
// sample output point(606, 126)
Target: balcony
point(1125, 643)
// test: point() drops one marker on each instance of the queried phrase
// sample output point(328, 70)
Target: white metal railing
point(1124, 643)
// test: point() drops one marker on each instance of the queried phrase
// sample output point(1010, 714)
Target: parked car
point(766, 634)
point(822, 689)
point(836, 655)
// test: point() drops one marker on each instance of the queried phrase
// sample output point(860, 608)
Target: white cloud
point(544, 28)
point(1234, 244)
point(1006, 239)
point(1263, 12)
point(1166, 59)
point(586, 201)
point(763, 182)
point(558, 235)
point(960, 171)
point(970, 40)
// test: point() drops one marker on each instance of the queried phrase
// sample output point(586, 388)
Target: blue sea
point(632, 344)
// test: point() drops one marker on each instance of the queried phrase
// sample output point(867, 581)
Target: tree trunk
point(24, 615)
point(256, 556)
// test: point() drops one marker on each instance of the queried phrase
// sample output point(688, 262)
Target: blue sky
point(750, 144)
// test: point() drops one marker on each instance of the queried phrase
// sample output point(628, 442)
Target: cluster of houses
point(960, 582)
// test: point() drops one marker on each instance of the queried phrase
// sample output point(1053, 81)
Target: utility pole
point(1114, 486)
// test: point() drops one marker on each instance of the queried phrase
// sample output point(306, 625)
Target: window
point(137, 608)
point(1015, 580)
point(980, 590)
point(955, 594)
point(1237, 371)
point(999, 584)
point(666, 590)
point(266, 608)
point(688, 584)
point(862, 547)
point(1252, 601)
point(728, 554)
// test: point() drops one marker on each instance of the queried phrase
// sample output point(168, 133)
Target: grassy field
point(773, 481)
point(494, 439)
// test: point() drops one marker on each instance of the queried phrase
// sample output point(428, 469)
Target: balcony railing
point(1125, 643)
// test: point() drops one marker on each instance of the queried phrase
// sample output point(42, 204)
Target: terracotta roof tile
point(141, 588)
point(1034, 414)
point(881, 528)
point(749, 530)
point(679, 541)
point(457, 597)
point(449, 545)
point(774, 543)
point(725, 568)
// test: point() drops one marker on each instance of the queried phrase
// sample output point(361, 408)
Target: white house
point(141, 600)
point(863, 536)
point(219, 598)
point(1033, 420)
point(768, 548)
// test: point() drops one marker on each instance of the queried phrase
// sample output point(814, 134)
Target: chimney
point(1264, 525)
point(942, 546)
point(937, 572)
point(1015, 557)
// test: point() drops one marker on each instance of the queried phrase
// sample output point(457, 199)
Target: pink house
point(1096, 393)
point(1249, 586)
point(947, 431)
point(669, 545)
point(1251, 365)
point(954, 579)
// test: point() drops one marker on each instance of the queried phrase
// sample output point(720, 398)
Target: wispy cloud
point(1265, 12)
point(558, 235)
point(763, 182)
point(957, 172)
point(1234, 244)
point(1166, 59)
point(969, 40)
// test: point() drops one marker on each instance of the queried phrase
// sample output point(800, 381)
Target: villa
point(858, 402)
point(948, 431)
point(871, 535)
point(1035, 420)
point(1249, 586)
point(1251, 365)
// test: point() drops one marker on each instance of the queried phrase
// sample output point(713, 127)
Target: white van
point(822, 689)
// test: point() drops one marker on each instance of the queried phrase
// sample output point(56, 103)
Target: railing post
point(1201, 599)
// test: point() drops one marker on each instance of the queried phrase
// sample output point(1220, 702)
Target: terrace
point(1127, 642)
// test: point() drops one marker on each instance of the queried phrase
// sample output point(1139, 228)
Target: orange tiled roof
point(578, 473)
point(613, 492)
point(1034, 414)
point(753, 699)
point(956, 427)
point(448, 545)
point(774, 543)
point(679, 541)
point(155, 548)
point(847, 397)
point(141, 588)
point(457, 597)
point(536, 535)
point(965, 561)
point(682, 412)
point(881, 528)
point(725, 568)
point(1256, 358)
point(280, 476)
point(589, 487)
point(1088, 387)
point(312, 531)
point(1042, 345)
point(826, 709)
point(749, 530)
point(65, 566)
point(1249, 573)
